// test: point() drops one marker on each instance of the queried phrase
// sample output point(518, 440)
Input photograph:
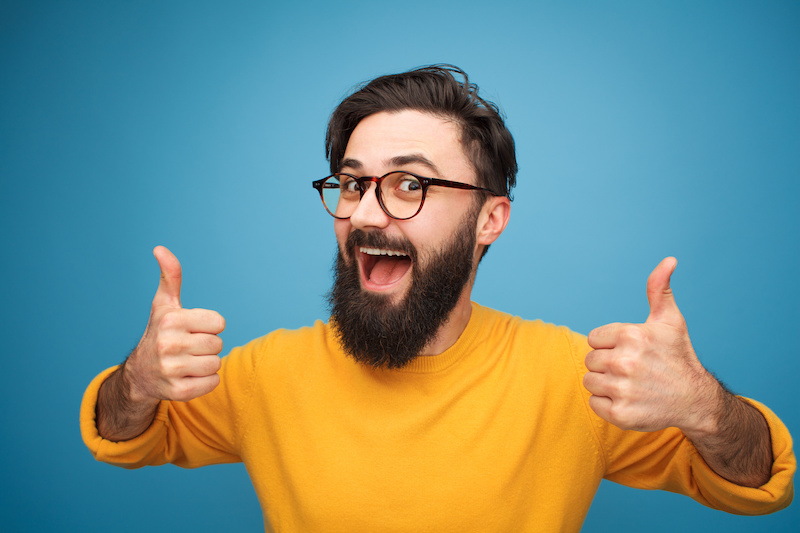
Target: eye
point(348, 184)
point(408, 183)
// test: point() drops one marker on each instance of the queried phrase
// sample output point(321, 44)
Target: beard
point(379, 333)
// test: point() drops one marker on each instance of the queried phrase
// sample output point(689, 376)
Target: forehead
point(381, 139)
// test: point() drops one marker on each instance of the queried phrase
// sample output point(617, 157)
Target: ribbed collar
point(427, 364)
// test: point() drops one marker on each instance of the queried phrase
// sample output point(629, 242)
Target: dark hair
point(434, 89)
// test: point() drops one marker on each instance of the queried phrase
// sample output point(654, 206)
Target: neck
point(453, 327)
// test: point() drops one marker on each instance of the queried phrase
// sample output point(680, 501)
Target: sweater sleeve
point(199, 432)
point(667, 460)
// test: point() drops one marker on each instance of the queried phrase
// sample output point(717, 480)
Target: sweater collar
point(436, 363)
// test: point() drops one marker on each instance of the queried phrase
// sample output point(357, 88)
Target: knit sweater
point(494, 434)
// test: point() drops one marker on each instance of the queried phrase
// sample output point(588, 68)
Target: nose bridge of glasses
point(369, 211)
point(364, 183)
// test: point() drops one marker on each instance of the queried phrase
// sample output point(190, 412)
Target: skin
point(392, 141)
point(176, 359)
point(644, 377)
point(647, 377)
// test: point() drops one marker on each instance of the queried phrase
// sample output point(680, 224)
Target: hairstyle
point(434, 89)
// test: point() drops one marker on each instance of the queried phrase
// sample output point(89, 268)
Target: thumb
point(169, 288)
point(662, 301)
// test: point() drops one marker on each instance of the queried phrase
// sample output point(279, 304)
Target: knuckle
point(167, 344)
point(625, 366)
point(166, 367)
point(597, 332)
point(631, 333)
point(605, 329)
point(170, 320)
point(182, 391)
point(620, 416)
point(163, 346)
point(623, 390)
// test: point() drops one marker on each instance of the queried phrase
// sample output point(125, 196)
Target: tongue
point(389, 269)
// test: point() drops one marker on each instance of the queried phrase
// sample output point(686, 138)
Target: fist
point(647, 376)
point(178, 355)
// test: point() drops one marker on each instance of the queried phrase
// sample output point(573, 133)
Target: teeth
point(379, 251)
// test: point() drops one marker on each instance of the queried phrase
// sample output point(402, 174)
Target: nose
point(369, 213)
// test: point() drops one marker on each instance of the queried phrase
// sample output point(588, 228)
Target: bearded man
point(414, 408)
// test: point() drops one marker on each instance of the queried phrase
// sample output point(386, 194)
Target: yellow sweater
point(495, 434)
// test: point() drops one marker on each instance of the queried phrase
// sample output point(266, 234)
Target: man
point(415, 409)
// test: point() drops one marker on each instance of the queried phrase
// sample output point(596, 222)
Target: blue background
point(643, 130)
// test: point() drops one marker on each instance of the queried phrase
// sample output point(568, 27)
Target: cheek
point(341, 229)
point(430, 231)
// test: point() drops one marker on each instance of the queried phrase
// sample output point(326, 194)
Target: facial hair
point(379, 333)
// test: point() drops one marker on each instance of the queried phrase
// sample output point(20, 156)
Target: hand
point(177, 357)
point(647, 376)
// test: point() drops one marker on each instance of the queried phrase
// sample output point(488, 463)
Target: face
point(398, 280)
point(419, 143)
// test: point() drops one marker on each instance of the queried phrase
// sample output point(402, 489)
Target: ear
point(493, 219)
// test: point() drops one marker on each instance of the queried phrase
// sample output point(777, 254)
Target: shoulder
point(532, 334)
point(282, 346)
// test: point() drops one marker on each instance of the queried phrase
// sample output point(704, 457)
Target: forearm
point(118, 416)
point(737, 444)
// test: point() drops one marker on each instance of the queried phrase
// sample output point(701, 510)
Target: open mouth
point(382, 268)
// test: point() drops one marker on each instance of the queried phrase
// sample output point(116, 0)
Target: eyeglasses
point(400, 194)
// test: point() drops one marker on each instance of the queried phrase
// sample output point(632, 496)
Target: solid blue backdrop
point(643, 130)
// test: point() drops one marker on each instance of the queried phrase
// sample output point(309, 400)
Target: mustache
point(377, 239)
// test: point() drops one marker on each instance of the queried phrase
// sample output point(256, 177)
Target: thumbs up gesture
point(178, 355)
point(647, 376)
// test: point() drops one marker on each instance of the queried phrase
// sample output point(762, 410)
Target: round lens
point(402, 194)
point(330, 194)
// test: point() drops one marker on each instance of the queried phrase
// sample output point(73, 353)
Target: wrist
point(737, 446)
point(118, 417)
point(708, 408)
point(134, 395)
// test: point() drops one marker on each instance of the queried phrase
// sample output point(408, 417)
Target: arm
point(647, 377)
point(736, 442)
point(118, 416)
point(176, 359)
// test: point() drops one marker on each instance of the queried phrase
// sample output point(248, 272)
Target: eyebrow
point(397, 161)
